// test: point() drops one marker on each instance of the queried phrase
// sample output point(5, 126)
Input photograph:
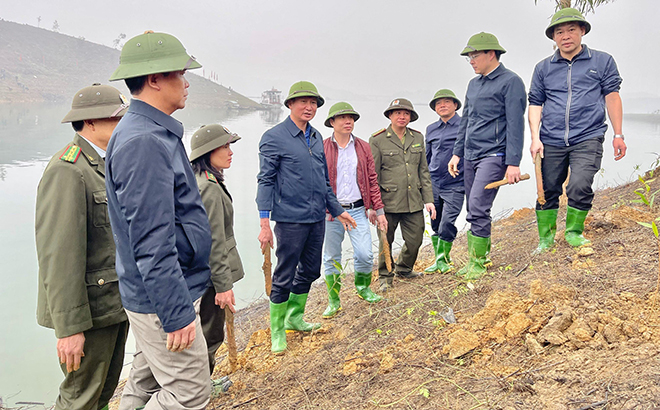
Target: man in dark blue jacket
point(294, 191)
point(568, 96)
point(160, 228)
point(490, 139)
point(448, 192)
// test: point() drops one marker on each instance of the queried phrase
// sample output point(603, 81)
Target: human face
point(568, 37)
point(445, 108)
point(221, 157)
point(303, 109)
point(343, 124)
point(479, 61)
point(400, 118)
point(100, 130)
point(175, 90)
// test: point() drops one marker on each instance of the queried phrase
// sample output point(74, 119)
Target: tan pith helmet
point(402, 104)
point(95, 102)
point(208, 138)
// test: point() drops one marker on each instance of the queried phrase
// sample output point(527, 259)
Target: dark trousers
point(584, 159)
point(448, 204)
point(212, 318)
point(478, 174)
point(412, 230)
point(299, 249)
point(91, 387)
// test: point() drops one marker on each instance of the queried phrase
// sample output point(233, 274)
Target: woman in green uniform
point(211, 154)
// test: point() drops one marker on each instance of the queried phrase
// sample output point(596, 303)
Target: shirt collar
point(495, 72)
point(350, 139)
point(293, 128)
point(98, 150)
point(585, 54)
point(452, 121)
point(167, 121)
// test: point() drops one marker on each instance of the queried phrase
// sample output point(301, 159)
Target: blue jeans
point(478, 174)
point(360, 239)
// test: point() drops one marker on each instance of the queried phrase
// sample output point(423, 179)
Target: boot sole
point(332, 315)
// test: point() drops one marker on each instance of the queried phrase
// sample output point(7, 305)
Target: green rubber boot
point(478, 262)
point(362, 283)
point(277, 332)
point(443, 261)
point(575, 226)
point(333, 282)
point(546, 221)
point(294, 314)
point(434, 267)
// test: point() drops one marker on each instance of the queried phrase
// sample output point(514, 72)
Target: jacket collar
point(495, 73)
point(90, 154)
point(455, 120)
point(584, 54)
point(395, 138)
point(166, 121)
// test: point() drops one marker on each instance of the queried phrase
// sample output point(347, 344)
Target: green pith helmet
point(95, 102)
point(208, 138)
point(341, 108)
point(566, 16)
point(304, 89)
point(444, 93)
point(482, 42)
point(152, 53)
point(402, 104)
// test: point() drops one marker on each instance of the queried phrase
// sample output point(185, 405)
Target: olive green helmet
point(152, 53)
point(304, 89)
point(566, 15)
point(208, 138)
point(97, 101)
point(482, 42)
point(341, 108)
point(445, 93)
point(402, 104)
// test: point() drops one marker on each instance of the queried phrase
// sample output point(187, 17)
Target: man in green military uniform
point(78, 288)
point(405, 187)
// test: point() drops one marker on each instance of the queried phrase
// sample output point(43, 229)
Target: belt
point(355, 204)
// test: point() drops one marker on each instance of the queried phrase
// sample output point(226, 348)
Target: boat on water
point(272, 99)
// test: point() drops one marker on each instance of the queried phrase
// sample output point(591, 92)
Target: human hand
point(181, 339)
point(430, 208)
point(513, 174)
point(382, 223)
point(537, 147)
point(70, 351)
point(619, 148)
point(223, 299)
point(266, 234)
point(453, 165)
point(347, 220)
point(371, 214)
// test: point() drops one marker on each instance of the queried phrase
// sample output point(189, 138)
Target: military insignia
point(211, 177)
point(71, 154)
point(395, 102)
point(123, 99)
point(416, 145)
point(378, 132)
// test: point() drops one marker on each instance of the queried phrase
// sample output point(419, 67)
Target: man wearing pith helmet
point(448, 192)
point(294, 191)
point(405, 188)
point(78, 291)
point(353, 179)
point(490, 141)
point(568, 97)
point(160, 228)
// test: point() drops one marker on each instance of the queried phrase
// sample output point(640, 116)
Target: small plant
point(644, 193)
point(424, 392)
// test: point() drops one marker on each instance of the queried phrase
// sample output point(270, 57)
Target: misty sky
point(368, 47)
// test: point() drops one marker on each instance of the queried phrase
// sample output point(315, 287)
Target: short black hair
point(136, 84)
point(78, 125)
point(203, 163)
point(498, 53)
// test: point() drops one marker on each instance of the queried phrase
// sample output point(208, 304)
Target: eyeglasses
point(471, 57)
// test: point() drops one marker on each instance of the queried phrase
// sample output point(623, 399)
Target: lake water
point(30, 134)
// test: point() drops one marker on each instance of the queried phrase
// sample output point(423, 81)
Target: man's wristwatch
point(619, 136)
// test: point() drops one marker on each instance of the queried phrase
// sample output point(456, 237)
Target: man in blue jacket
point(448, 192)
point(294, 191)
point(160, 228)
point(569, 94)
point(490, 139)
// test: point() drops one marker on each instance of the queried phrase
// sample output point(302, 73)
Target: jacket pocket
point(185, 245)
point(100, 210)
point(103, 292)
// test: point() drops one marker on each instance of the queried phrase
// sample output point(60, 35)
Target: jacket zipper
point(568, 102)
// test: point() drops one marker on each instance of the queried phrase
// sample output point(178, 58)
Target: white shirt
point(348, 190)
point(100, 151)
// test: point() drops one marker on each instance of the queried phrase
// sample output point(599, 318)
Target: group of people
point(130, 229)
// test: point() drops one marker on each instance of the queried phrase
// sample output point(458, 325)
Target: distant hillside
point(38, 65)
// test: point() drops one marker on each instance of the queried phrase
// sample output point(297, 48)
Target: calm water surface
point(30, 134)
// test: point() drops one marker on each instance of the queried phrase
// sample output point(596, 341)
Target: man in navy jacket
point(568, 96)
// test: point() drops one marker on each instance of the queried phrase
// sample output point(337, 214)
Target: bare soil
point(567, 329)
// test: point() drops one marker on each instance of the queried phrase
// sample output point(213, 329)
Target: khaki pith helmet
point(208, 138)
point(95, 102)
point(402, 104)
point(304, 89)
point(341, 108)
point(152, 53)
point(566, 15)
point(482, 42)
point(445, 93)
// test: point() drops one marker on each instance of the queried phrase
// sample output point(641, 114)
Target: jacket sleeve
point(144, 185)
point(611, 81)
point(425, 179)
point(537, 88)
point(515, 101)
point(331, 202)
point(375, 152)
point(374, 189)
point(459, 145)
point(429, 150)
point(269, 163)
point(61, 239)
point(219, 260)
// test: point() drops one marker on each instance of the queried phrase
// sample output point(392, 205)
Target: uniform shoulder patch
point(415, 131)
point(211, 177)
point(71, 154)
point(379, 132)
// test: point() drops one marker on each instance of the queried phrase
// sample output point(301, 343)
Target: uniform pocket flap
point(416, 149)
point(389, 188)
point(100, 277)
point(100, 197)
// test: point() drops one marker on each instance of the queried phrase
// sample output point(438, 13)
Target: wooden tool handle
point(386, 250)
point(266, 267)
point(504, 181)
point(540, 194)
point(231, 339)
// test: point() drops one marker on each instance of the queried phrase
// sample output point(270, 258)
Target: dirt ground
point(567, 329)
